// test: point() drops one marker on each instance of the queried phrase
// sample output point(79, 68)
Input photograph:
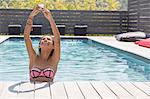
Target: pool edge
point(132, 54)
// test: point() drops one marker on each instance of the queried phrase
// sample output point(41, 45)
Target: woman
point(43, 66)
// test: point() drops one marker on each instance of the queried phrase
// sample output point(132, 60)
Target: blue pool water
point(81, 59)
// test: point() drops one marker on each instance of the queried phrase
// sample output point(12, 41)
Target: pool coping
point(2, 39)
point(128, 47)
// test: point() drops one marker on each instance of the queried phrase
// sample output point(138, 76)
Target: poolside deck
point(75, 90)
point(3, 38)
point(125, 46)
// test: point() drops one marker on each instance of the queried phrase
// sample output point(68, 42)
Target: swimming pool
point(81, 59)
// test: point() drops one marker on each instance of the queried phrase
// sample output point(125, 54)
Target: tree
point(4, 3)
point(64, 4)
point(113, 5)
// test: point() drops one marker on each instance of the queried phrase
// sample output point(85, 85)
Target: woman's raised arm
point(55, 31)
point(27, 30)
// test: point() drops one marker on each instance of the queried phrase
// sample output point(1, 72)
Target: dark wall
point(139, 15)
point(104, 22)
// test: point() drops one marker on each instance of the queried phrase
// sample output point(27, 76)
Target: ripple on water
point(80, 60)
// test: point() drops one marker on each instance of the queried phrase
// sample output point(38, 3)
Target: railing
point(139, 15)
point(137, 18)
point(98, 22)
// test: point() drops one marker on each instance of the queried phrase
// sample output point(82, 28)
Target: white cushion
point(135, 35)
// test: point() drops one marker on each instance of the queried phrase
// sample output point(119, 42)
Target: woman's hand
point(46, 13)
point(35, 11)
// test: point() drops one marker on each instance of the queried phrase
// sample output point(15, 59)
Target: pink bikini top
point(36, 72)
